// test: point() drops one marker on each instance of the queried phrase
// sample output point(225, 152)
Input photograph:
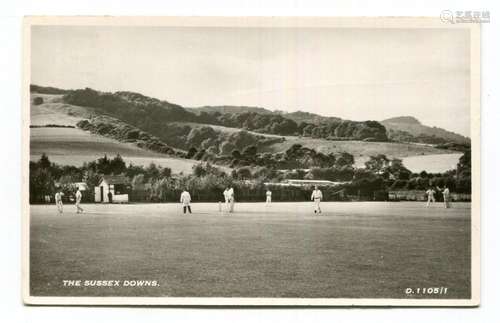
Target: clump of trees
point(295, 157)
point(221, 143)
point(45, 176)
point(41, 179)
point(133, 108)
point(119, 130)
point(280, 125)
point(38, 100)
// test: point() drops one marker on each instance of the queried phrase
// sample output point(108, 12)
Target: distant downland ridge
point(410, 129)
point(147, 112)
point(403, 119)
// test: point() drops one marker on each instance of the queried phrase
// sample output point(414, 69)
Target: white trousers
point(78, 207)
point(446, 201)
point(59, 205)
point(317, 208)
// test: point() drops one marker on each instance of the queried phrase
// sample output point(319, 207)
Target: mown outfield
point(365, 249)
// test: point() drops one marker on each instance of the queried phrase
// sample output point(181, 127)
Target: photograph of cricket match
point(251, 161)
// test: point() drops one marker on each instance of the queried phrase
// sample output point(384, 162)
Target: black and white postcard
point(251, 161)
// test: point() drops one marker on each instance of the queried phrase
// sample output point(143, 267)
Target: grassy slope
point(355, 250)
point(69, 146)
point(55, 111)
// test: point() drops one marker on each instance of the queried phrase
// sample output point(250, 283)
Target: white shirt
point(230, 193)
point(430, 193)
point(446, 192)
point(269, 193)
point(316, 194)
point(185, 198)
point(226, 194)
point(58, 197)
point(78, 196)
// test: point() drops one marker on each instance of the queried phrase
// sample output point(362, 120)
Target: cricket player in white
point(269, 195)
point(430, 196)
point(78, 199)
point(59, 203)
point(185, 201)
point(226, 198)
point(231, 199)
point(446, 197)
point(316, 196)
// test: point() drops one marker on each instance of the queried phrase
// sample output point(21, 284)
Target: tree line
point(153, 183)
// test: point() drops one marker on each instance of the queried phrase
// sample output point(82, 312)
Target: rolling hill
point(117, 120)
point(407, 128)
point(143, 112)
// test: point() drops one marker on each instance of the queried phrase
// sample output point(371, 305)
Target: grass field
point(371, 250)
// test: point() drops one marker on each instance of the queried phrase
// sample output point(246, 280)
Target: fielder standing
point(59, 203)
point(226, 198)
point(446, 197)
point(269, 195)
point(78, 199)
point(186, 201)
point(316, 196)
point(231, 199)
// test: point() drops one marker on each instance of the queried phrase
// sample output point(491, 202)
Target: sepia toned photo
point(251, 161)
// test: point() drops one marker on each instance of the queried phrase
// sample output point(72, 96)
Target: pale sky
point(356, 74)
